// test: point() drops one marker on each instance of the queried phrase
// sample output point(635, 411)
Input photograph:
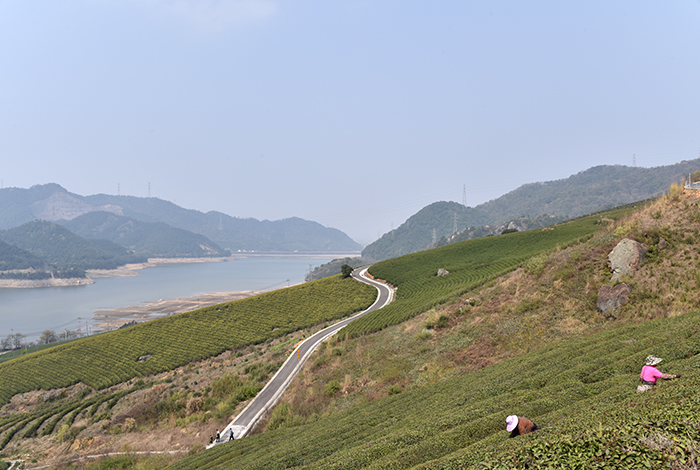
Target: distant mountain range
point(100, 230)
point(598, 188)
point(160, 228)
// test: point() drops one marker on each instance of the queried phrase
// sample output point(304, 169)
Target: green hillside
point(60, 247)
point(427, 382)
point(427, 226)
point(598, 188)
point(12, 257)
point(582, 393)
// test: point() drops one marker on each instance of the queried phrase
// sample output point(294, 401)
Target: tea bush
point(581, 392)
point(111, 358)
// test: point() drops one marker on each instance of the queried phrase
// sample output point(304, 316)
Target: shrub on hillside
point(346, 270)
point(675, 192)
point(332, 388)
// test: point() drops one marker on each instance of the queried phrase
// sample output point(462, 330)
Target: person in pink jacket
point(650, 374)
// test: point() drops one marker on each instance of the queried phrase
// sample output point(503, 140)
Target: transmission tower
point(634, 160)
point(464, 196)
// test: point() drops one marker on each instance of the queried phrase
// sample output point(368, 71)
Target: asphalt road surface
point(268, 396)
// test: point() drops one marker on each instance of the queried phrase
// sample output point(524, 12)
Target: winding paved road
point(268, 396)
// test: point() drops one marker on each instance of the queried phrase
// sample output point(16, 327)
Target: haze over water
point(31, 311)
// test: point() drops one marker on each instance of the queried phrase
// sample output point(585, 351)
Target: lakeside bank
point(131, 270)
point(164, 288)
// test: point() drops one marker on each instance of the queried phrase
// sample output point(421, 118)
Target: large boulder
point(626, 258)
point(610, 299)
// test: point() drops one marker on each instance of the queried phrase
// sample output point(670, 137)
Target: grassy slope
point(471, 264)
point(582, 390)
point(108, 359)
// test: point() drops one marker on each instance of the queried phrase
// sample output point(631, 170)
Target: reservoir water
point(31, 311)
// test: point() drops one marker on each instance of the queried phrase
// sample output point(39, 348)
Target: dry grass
point(550, 299)
point(135, 423)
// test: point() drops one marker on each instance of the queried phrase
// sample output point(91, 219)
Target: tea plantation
point(112, 358)
point(582, 394)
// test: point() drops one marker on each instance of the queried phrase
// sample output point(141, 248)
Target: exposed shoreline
point(107, 320)
point(53, 282)
point(129, 270)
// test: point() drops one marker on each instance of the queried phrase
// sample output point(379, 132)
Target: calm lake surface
point(31, 311)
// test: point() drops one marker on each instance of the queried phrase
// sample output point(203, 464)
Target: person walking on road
point(218, 436)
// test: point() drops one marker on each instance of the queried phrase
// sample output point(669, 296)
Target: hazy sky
point(354, 114)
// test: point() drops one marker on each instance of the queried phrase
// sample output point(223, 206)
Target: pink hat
point(511, 422)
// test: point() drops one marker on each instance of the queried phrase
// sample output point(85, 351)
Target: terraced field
point(112, 358)
point(582, 393)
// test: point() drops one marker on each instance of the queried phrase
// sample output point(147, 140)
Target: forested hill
point(54, 203)
point(597, 188)
point(423, 229)
point(248, 234)
point(55, 245)
point(15, 258)
point(153, 239)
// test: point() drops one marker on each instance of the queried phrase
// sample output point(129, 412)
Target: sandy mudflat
point(53, 282)
point(111, 319)
point(130, 269)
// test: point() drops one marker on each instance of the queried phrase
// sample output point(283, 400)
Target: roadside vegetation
point(469, 264)
point(177, 410)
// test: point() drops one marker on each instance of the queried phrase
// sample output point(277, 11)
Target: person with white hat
point(650, 373)
point(517, 425)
